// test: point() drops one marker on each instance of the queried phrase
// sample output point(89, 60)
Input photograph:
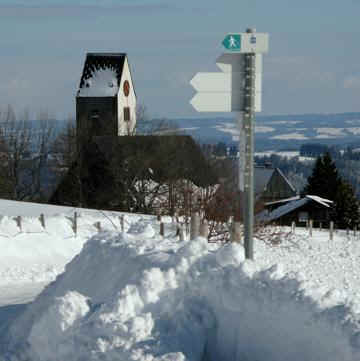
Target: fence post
point(162, 229)
point(235, 235)
point(310, 227)
point(204, 229)
point(182, 233)
point(320, 226)
point(195, 226)
point(42, 220)
point(331, 230)
point(75, 223)
point(293, 225)
point(122, 221)
point(18, 220)
point(98, 226)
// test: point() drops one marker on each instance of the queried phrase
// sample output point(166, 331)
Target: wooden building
point(272, 185)
point(298, 210)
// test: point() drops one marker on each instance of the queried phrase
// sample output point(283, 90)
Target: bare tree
point(64, 146)
point(24, 150)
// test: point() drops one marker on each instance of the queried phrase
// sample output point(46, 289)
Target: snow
point(263, 129)
point(354, 130)
point(136, 295)
point(285, 154)
point(103, 83)
point(326, 132)
point(289, 136)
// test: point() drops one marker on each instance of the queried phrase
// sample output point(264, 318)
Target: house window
point(126, 114)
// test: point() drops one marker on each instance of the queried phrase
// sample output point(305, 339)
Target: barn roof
point(262, 176)
point(101, 75)
point(291, 206)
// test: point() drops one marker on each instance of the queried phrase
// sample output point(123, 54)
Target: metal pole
point(248, 120)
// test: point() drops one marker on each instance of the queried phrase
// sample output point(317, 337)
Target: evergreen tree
point(346, 210)
point(325, 182)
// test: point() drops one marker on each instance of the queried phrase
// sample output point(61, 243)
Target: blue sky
point(313, 64)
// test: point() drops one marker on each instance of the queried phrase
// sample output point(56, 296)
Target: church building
point(106, 99)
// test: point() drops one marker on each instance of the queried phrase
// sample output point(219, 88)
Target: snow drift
point(139, 296)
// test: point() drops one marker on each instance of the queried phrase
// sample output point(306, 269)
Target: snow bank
point(140, 296)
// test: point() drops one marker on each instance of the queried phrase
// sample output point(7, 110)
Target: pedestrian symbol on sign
point(232, 42)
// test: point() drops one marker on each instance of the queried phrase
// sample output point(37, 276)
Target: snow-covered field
point(136, 295)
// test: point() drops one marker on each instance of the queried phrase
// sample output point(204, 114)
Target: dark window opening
point(95, 122)
point(126, 114)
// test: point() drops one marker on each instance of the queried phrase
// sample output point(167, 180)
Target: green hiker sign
point(246, 42)
point(232, 42)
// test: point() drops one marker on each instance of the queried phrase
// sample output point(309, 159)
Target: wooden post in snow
point(75, 223)
point(42, 220)
point(331, 230)
point(235, 234)
point(122, 223)
point(195, 225)
point(18, 220)
point(293, 225)
point(204, 229)
point(162, 229)
point(310, 227)
point(98, 226)
point(182, 233)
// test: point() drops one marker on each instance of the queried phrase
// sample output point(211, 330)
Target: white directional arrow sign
point(222, 92)
point(222, 102)
point(222, 82)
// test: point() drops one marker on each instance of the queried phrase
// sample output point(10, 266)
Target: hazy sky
point(313, 64)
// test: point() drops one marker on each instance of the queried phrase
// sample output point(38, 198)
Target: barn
point(299, 210)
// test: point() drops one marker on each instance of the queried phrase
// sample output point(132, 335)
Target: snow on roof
point(289, 207)
point(102, 74)
point(286, 180)
point(320, 200)
point(283, 200)
point(103, 83)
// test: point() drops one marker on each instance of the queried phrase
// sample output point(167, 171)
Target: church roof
point(101, 74)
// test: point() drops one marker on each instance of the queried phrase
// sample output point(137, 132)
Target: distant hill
point(277, 132)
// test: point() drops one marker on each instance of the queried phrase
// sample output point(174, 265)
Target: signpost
point(237, 89)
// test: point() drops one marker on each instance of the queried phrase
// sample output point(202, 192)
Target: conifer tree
point(325, 182)
point(346, 210)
